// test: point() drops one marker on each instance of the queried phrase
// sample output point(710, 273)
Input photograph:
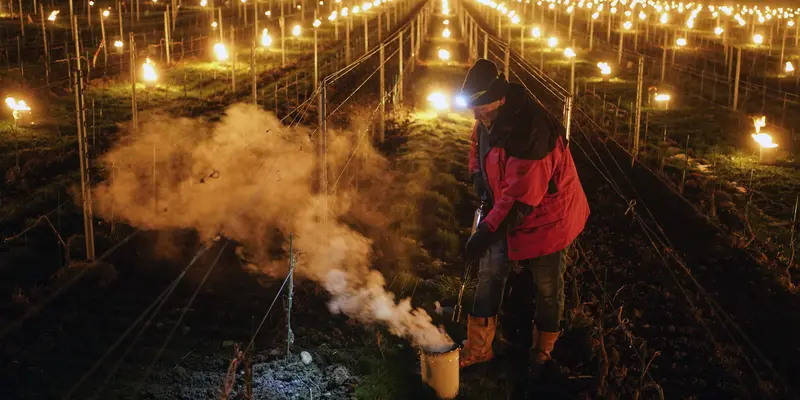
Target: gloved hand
point(478, 243)
point(479, 185)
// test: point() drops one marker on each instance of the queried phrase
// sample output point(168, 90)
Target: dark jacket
point(534, 187)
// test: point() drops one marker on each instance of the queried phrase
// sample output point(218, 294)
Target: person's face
point(488, 112)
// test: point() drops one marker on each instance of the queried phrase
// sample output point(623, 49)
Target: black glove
point(478, 243)
point(479, 185)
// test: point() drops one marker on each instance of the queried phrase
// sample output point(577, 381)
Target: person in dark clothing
point(521, 165)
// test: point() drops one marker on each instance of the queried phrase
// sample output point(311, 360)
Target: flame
point(221, 52)
point(439, 101)
point(789, 66)
point(52, 16)
point(760, 122)
point(605, 69)
point(444, 55)
point(149, 71)
point(15, 105)
point(118, 44)
point(662, 97)
point(266, 39)
point(764, 140)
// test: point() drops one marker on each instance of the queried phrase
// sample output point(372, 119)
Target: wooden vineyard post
point(637, 127)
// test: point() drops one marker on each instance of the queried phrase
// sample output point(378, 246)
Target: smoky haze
point(249, 177)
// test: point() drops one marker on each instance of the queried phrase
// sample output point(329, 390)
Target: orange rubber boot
point(543, 344)
point(478, 347)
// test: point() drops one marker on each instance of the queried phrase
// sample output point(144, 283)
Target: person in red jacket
point(521, 165)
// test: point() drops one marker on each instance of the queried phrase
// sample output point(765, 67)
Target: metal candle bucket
point(440, 371)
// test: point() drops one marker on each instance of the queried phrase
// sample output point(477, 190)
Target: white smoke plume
point(248, 177)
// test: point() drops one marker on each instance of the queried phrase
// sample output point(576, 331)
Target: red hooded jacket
point(536, 194)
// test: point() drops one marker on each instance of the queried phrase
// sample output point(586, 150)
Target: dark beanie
point(483, 84)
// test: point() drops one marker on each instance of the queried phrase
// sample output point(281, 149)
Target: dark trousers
point(547, 273)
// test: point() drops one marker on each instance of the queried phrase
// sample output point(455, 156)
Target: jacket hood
point(523, 128)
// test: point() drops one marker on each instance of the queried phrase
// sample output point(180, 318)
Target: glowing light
point(664, 18)
point(297, 30)
point(681, 42)
point(764, 140)
point(758, 39)
point(91, 4)
point(345, 11)
point(15, 105)
point(515, 20)
point(268, 13)
point(266, 39)
point(790, 22)
point(595, 15)
point(444, 55)
point(203, 3)
point(316, 24)
point(627, 25)
point(332, 17)
point(718, 30)
point(642, 15)
point(221, 52)
point(605, 69)
point(299, 7)
point(552, 42)
point(439, 101)
point(536, 32)
point(356, 10)
point(446, 33)
point(52, 16)
point(789, 67)
point(446, 22)
point(118, 44)
point(106, 13)
point(149, 71)
point(569, 53)
point(214, 24)
point(461, 101)
point(662, 97)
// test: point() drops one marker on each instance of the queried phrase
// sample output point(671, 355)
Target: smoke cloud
point(253, 180)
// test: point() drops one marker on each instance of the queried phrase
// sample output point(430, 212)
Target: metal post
point(400, 63)
point(621, 43)
point(485, 44)
point(572, 76)
point(253, 71)
point(637, 127)
point(507, 56)
point(86, 194)
point(382, 90)
point(289, 333)
point(591, 32)
point(134, 109)
point(738, 73)
point(167, 35)
point(282, 23)
point(366, 33)
point(567, 114)
point(233, 58)
point(46, 49)
point(664, 58)
point(316, 61)
point(571, 17)
point(783, 49)
point(119, 17)
point(21, 24)
point(348, 26)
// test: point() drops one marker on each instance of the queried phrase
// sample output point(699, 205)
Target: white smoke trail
point(248, 177)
